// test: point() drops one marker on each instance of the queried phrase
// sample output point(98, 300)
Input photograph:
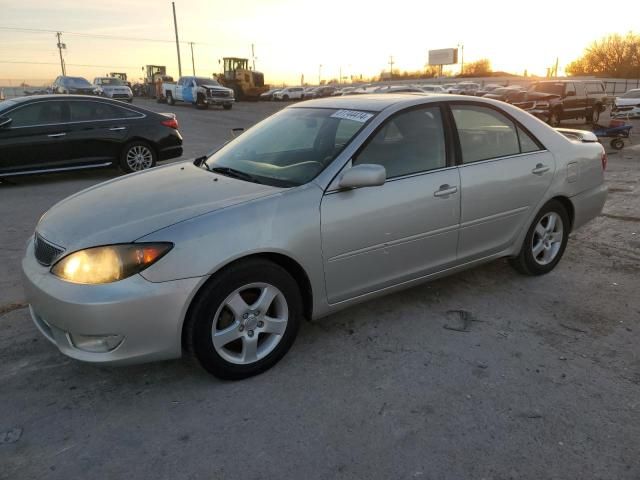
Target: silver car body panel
point(352, 245)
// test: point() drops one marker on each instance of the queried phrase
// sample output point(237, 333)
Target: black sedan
point(49, 133)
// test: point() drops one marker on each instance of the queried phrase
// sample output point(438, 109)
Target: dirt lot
point(544, 383)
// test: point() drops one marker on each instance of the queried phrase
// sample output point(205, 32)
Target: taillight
point(604, 160)
point(170, 122)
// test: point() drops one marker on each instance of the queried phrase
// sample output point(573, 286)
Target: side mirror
point(365, 175)
point(5, 122)
point(570, 94)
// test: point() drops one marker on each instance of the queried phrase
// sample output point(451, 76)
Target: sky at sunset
point(295, 37)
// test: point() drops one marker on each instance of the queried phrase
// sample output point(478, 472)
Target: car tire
point(285, 98)
point(137, 156)
point(170, 99)
point(554, 118)
point(200, 103)
point(227, 106)
point(595, 113)
point(617, 143)
point(545, 242)
point(228, 308)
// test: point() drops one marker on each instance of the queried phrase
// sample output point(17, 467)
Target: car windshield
point(200, 81)
point(291, 147)
point(113, 82)
point(551, 88)
point(632, 94)
point(76, 82)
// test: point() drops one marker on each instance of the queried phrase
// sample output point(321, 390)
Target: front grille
point(46, 253)
point(219, 93)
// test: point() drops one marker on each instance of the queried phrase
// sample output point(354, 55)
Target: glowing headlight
point(109, 264)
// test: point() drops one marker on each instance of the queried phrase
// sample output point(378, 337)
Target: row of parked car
point(109, 87)
point(551, 100)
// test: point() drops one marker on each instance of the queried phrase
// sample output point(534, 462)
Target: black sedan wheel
point(137, 156)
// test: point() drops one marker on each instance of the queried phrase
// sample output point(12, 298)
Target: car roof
point(34, 98)
point(375, 102)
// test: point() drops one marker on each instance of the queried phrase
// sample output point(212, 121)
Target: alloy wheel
point(547, 238)
point(250, 323)
point(139, 158)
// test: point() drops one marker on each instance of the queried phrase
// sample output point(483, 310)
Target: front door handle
point(115, 129)
point(540, 169)
point(445, 190)
point(56, 135)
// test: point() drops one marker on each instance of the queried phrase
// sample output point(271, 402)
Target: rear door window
point(95, 111)
point(484, 133)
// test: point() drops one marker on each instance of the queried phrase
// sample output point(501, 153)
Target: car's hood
point(217, 87)
point(541, 96)
point(129, 207)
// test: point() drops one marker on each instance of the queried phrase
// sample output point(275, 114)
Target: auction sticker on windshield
point(354, 115)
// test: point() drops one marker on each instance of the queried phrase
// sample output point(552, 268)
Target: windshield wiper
point(232, 172)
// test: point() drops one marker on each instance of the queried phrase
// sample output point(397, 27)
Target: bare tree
point(614, 55)
point(477, 68)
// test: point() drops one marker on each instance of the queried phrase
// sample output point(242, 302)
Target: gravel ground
point(543, 383)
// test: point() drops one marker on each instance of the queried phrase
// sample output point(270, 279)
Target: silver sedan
point(325, 204)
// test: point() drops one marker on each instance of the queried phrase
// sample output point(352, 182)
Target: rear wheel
point(545, 241)
point(245, 319)
point(594, 115)
point(137, 156)
point(170, 99)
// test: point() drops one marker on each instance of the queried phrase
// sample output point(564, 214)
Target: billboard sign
point(444, 56)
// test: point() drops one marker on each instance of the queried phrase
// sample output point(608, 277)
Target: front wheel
point(554, 118)
point(137, 156)
point(545, 241)
point(170, 99)
point(227, 106)
point(244, 320)
point(594, 115)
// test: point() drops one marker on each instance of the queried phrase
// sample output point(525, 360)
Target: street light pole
point(461, 45)
point(319, 74)
point(193, 63)
point(175, 26)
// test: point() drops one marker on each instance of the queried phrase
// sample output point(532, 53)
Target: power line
point(67, 64)
point(95, 35)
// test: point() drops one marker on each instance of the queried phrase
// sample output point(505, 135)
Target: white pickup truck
point(199, 91)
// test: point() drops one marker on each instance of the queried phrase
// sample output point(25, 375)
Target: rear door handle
point(445, 190)
point(115, 129)
point(56, 135)
point(540, 169)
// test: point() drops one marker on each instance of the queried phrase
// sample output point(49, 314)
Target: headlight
point(110, 263)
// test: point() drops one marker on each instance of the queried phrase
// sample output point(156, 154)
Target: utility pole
point(61, 46)
point(193, 62)
point(391, 66)
point(319, 74)
point(175, 25)
point(555, 69)
point(461, 58)
point(253, 57)
point(340, 79)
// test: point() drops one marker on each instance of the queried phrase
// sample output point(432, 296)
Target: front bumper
point(145, 317)
point(220, 100)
